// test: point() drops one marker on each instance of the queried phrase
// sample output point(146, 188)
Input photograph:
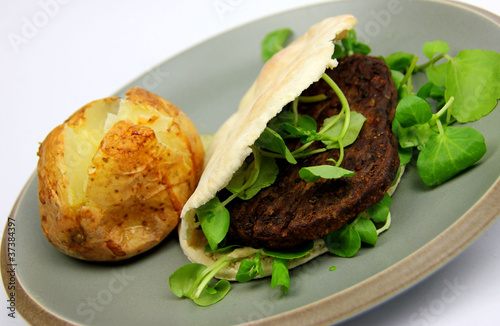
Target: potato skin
point(136, 185)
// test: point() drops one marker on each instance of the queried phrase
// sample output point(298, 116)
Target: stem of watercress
point(428, 63)
point(410, 70)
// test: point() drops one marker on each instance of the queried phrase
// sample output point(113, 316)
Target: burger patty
point(293, 211)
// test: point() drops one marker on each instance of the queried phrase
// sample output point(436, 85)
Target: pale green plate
point(429, 225)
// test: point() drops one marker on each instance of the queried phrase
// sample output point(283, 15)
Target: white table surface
point(46, 74)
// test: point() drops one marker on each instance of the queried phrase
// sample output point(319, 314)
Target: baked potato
point(113, 178)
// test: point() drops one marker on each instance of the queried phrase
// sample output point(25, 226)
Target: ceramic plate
point(429, 225)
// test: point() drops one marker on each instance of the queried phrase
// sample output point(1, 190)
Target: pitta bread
point(284, 77)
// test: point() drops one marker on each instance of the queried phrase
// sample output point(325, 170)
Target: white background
point(80, 51)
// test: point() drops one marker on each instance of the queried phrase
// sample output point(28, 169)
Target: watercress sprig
point(464, 89)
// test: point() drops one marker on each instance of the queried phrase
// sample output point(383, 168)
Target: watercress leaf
point(366, 230)
point(314, 173)
point(271, 140)
point(349, 41)
point(276, 123)
point(437, 93)
point(213, 294)
point(267, 172)
point(362, 48)
point(397, 77)
point(307, 122)
point(352, 45)
point(305, 135)
point(182, 280)
point(437, 74)
point(472, 78)
point(344, 242)
point(405, 155)
point(214, 220)
point(280, 275)
point(447, 154)
point(248, 270)
point(413, 110)
point(356, 123)
point(339, 51)
point(274, 42)
point(415, 136)
point(379, 212)
point(424, 90)
point(386, 200)
point(399, 60)
point(435, 47)
point(291, 253)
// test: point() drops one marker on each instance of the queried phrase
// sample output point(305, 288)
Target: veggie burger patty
point(293, 211)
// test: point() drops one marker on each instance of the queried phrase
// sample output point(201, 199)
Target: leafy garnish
point(271, 140)
point(280, 275)
point(193, 281)
point(263, 169)
point(472, 78)
point(274, 42)
point(314, 173)
point(448, 153)
point(350, 45)
point(291, 253)
point(346, 241)
point(214, 220)
point(465, 88)
point(249, 269)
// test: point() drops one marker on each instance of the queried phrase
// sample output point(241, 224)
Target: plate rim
point(348, 302)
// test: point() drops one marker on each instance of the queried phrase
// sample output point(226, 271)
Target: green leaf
point(339, 51)
point(435, 47)
point(213, 294)
point(362, 48)
point(379, 212)
point(182, 280)
point(307, 122)
point(355, 124)
point(193, 281)
point(399, 60)
point(291, 253)
point(344, 242)
point(425, 90)
point(271, 140)
point(267, 170)
point(415, 136)
point(280, 275)
point(445, 155)
point(305, 130)
point(274, 42)
point(314, 173)
point(366, 230)
point(214, 220)
point(472, 78)
point(249, 269)
point(397, 77)
point(352, 45)
point(405, 155)
point(284, 117)
point(413, 110)
point(437, 74)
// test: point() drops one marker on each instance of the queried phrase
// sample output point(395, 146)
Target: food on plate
point(309, 161)
point(309, 149)
point(113, 178)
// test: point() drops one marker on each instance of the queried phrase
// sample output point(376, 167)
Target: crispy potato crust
point(113, 178)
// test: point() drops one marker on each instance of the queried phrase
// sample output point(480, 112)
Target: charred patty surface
point(292, 210)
